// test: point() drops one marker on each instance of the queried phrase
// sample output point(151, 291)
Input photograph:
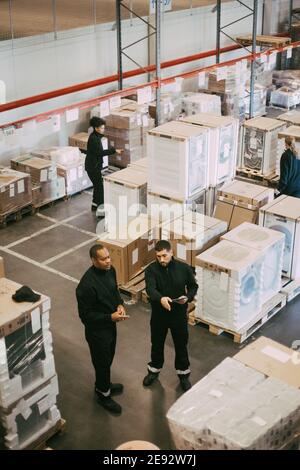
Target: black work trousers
point(102, 346)
point(160, 323)
point(98, 191)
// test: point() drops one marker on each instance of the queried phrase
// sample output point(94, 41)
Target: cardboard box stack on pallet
point(70, 166)
point(79, 140)
point(196, 103)
point(46, 185)
point(192, 234)
point(239, 202)
point(239, 276)
point(28, 380)
point(170, 107)
point(15, 192)
point(259, 144)
point(250, 401)
point(126, 128)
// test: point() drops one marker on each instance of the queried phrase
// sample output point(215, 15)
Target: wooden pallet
point(135, 287)
point(255, 176)
point(270, 308)
point(291, 289)
point(264, 41)
point(15, 216)
point(41, 442)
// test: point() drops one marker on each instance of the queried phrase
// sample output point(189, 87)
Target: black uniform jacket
point(98, 297)
point(172, 281)
point(289, 182)
point(95, 152)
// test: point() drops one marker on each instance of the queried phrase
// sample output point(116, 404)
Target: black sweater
point(172, 281)
point(95, 152)
point(289, 182)
point(98, 297)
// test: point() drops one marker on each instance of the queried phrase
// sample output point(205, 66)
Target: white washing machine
point(230, 284)
point(271, 244)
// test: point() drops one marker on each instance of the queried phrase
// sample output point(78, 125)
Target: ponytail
point(290, 142)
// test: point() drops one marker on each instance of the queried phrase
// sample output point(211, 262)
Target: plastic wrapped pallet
point(79, 140)
point(141, 164)
point(285, 97)
point(239, 202)
point(15, 190)
point(59, 155)
point(49, 191)
point(283, 214)
point(271, 242)
point(294, 133)
point(230, 278)
point(222, 145)
point(178, 159)
point(195, 103)
point(164, 208)
point(259, 100)
point(25, 344)
point(235, 407)
point(192, 234)
point(31, 417)
point(289, 78)
point(170, 107)
point(76, 178)
point(259, 144)
point(39, 169)
point(290, 118)
point(125, 194)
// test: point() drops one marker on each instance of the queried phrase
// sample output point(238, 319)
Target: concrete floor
point(49, 252)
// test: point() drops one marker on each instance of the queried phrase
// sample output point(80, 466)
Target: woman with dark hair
point(289, 182)
point(94, 162)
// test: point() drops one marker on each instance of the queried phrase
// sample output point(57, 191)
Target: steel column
point(119, 44)
point(252, 78)
point(218, 41)
point(158, 58)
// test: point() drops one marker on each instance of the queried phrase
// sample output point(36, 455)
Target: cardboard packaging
point(271, 243)
point(59, 155)
point(222, 145)
point(40, 170)
point(15, 190)
point(26, 358)
point(195, 103)
point(47, 192)
point(273, 360)
point(75, 176)
point(2, 270)
point(189, 237)
point(283, 214)
point(141, 165)
point(31, 417)
point(170, 106)
point(230, 278)
point(285, 97)
point(236, 407)
point(178, 160)
point(290, 118)
point(79, 140)
point(239, 202)
point(259, 144)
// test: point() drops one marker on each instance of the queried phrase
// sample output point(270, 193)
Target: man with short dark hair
point(170, 285)
point(94, 161)
point(100, 306)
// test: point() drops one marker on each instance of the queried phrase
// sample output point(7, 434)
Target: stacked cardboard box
point(164, 208)
point(126, 129)
point(125, 194)
point(28, 382)
point(79, 140)
point(15, 191)
point(70, 166)
point(192, 234)
point(131, 246)
point(259, 144)
point(283, 214)
point(237, 407)
point(230, 278)
point(271, 243)
point(239, 202)
point(195, 103)
point(170, 107)
point(49, 191)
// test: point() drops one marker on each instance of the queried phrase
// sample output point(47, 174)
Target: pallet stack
point(196, 103)
point(28, 380)
point(237, 407)
point(15, 193)
point(170, 107)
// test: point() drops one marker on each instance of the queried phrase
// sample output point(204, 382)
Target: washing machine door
point(287, 227)
point(253, 149)
point(249, 287)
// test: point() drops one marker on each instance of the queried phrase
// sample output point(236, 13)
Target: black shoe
point(109, 404)
point(116, 389)
point(185, 383)
point(93, 208)
point(150, 378)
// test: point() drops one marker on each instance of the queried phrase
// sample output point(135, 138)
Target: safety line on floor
point(39, 265)
point(67, 252)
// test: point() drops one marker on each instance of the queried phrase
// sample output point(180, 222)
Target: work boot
point(150, 378)
point(184, 382)
point(109, 404)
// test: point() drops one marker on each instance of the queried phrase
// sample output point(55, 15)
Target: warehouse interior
point(47, 247)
